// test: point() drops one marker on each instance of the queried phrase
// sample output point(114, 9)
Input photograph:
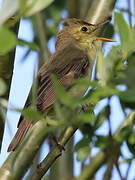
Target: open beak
point(105, 39)
point(97, 26)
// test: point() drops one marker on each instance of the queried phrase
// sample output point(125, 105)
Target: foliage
point(113, 72)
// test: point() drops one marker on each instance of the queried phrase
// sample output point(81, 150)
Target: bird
point(75, 45)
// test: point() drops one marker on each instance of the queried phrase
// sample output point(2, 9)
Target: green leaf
point(100, 93)
point(83, 153)
point(131, 138)
point(128, 95)
point(109, 31)
point(83, 143)
point(31, 113)
point(87, 117)
point(125, 133)
point(111, 64)
point(102, 142)
point(8, 40)
point(3, 87)
point(34, 6)
point(131, 143)
point(124, 32)
point(63, 96)
point(32, 46)
point(83, 82)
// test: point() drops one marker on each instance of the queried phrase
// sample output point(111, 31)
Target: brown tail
point(23, 128)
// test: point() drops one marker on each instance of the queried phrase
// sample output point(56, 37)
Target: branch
point(96, 162)
point(100, 10)
point(19, 161)
point(57, 170)
point(54, 154)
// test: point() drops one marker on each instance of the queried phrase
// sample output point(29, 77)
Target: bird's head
point(80, 32)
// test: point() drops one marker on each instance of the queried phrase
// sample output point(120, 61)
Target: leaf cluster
point(114, 72)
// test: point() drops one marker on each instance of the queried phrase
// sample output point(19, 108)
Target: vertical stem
point(128, 169)
point(129, 13)
point(45, 54)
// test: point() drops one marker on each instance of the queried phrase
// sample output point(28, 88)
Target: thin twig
point(42, 37)
point(128, 169)
point(118, 169)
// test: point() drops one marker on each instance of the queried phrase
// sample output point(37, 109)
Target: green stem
point(53, 155)
point(45, 54)
point(95, 164)
point(19, 161)
point(97, 161)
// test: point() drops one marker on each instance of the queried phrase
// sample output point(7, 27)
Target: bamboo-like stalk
point(19, 161)
point(100, 10)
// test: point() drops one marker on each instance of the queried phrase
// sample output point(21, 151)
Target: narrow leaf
point(83, 153)
point(8, 40)
point(124, 32)
point(31, 113)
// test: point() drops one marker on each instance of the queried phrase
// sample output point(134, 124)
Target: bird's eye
point(84, 29)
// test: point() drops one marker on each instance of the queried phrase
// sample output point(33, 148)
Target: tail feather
point(20, 134)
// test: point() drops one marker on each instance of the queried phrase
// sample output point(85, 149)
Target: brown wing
point(46, 92)
point(65, 67)
point(24, 124)
point(67, 64)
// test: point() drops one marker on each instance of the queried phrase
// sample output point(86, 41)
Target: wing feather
point(66, 67)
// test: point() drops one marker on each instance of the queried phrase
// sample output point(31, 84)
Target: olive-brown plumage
point(72, 60)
